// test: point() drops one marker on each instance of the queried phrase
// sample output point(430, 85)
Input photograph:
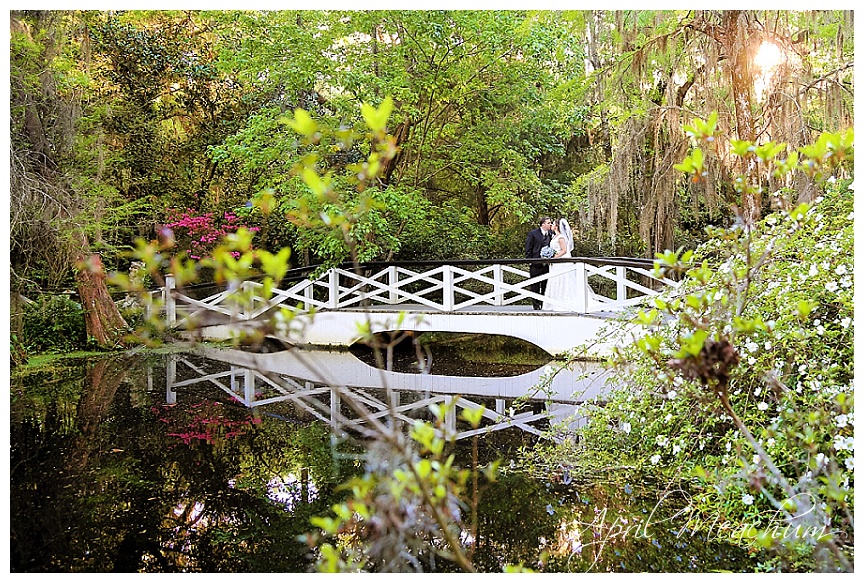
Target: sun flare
point(766, 59)
point(769, 56)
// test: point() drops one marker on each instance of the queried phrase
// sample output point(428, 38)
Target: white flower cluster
point(844, 443)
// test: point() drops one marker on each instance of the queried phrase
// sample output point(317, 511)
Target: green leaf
point(473, 416)
point(376, 119)
point(302, 123)
point(804, 307)
point(741, 148)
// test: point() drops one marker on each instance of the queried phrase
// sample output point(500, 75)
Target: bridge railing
point(604, 284)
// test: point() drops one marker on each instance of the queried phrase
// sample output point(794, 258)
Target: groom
point(537, 239)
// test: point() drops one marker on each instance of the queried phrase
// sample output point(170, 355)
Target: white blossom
point(747, 499)
point(662, 440)
point(841, 269)
point(655, 458)
point(762, 406)
point(625, 427)
point(832, 286)
point(842, 420)
point(842, 443)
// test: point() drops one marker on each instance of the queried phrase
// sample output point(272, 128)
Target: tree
point(660, 69)
point(43, 194)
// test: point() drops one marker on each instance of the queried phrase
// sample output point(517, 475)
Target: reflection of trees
point(103, 379)
point(512, 521)
point(94, 487)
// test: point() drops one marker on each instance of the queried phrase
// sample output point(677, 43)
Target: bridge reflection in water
point(323, 383)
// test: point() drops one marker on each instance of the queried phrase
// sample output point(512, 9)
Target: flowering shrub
point(743, 381)
point(197, 234)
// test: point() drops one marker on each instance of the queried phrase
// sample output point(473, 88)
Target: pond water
point(184, 463)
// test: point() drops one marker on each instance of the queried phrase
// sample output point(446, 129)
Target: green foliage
point(54, 324)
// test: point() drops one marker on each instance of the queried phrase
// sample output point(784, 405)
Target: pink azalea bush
point(198, 233)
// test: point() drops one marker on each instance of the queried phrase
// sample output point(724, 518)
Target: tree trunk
point(737, 40)
point(400, 136)
point(102, 319)
point(483, 216)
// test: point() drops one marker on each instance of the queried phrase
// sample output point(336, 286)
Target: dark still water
point(180, 463)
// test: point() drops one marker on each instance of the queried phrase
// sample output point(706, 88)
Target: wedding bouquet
point(547, 252)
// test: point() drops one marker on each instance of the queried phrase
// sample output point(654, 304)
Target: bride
point(561, 290)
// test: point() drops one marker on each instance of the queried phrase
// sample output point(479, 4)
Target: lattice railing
point(607, 285)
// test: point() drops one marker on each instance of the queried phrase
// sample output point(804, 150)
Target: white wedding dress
point(562, 283)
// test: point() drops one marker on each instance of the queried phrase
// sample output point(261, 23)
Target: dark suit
point(535, 241)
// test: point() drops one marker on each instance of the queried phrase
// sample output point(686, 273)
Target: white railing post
point(148, 304)
point(248, 301)
point(581, 303)
point(392, 280)
point(248, 387)
point(450, 417)
point(307, 293)
point(333, 287)
point(335, 410)
point(620, 278)
point(498, 276)
point(170, 379)
point(395, 401)
point(448, 298)
point(168, 300)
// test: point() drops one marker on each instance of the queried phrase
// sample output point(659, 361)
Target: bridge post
point(581, 299)
point(620, 278)
point(247, 307)
point(333, 287)
point(450, 417)
point(170, 379)
point(447, 299)
point(248, 387)
point(392, 280)
point(307, 293)
point(497, 275)
point(168, 299)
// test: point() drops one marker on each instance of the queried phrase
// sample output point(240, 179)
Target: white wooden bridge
point(322, 384)
point(488, 297)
